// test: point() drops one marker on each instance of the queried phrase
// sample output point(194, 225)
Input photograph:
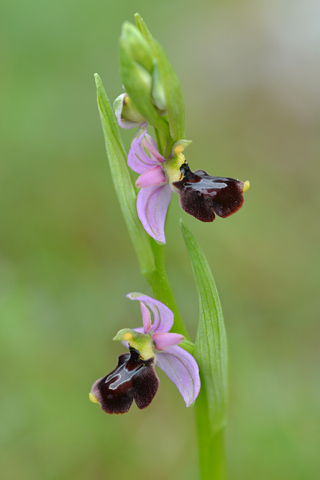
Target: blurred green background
point(250, 75)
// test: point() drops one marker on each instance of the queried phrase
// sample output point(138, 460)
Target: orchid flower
point(201, 195)
point(135, 377)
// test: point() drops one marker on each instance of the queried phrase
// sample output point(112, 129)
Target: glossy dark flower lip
point(132, 379)
point(202, 195)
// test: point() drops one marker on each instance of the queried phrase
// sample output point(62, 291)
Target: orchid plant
point(153, 99)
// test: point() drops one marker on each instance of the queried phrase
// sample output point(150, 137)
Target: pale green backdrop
point(250, 76)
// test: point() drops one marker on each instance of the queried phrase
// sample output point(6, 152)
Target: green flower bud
point(136, 66)
point(136, 46)
point(174, 103)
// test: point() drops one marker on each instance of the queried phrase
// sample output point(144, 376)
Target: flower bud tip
point(246, 186)
point(93, 398)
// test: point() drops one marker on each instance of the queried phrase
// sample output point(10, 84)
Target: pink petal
point(154, 176)
point(183, 371)
point(163, 316)
point(151, 146)
point(165, 340)
point(138, 160)
point(152, 206)
point(146, 318)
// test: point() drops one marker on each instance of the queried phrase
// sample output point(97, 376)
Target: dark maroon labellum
point(133, 378)
point(202, 195)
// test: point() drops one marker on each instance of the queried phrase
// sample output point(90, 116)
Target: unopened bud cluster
point(140, 73)
point(149, 81)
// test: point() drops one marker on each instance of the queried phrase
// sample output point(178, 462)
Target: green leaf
point(122, 180)
point(211, 342)
point(170, 83)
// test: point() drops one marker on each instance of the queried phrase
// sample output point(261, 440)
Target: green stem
point(161, 288)
point(211, 448)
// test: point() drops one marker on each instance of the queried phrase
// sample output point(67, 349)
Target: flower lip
point(203, 195)
point(132, 379)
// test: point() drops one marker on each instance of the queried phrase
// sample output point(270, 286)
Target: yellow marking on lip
point(246, 186)
point(93, 398)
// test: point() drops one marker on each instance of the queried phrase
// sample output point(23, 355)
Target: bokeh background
point(250, 75)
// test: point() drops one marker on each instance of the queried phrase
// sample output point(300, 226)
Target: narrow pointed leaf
point(122, 180)
point(211, 342)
